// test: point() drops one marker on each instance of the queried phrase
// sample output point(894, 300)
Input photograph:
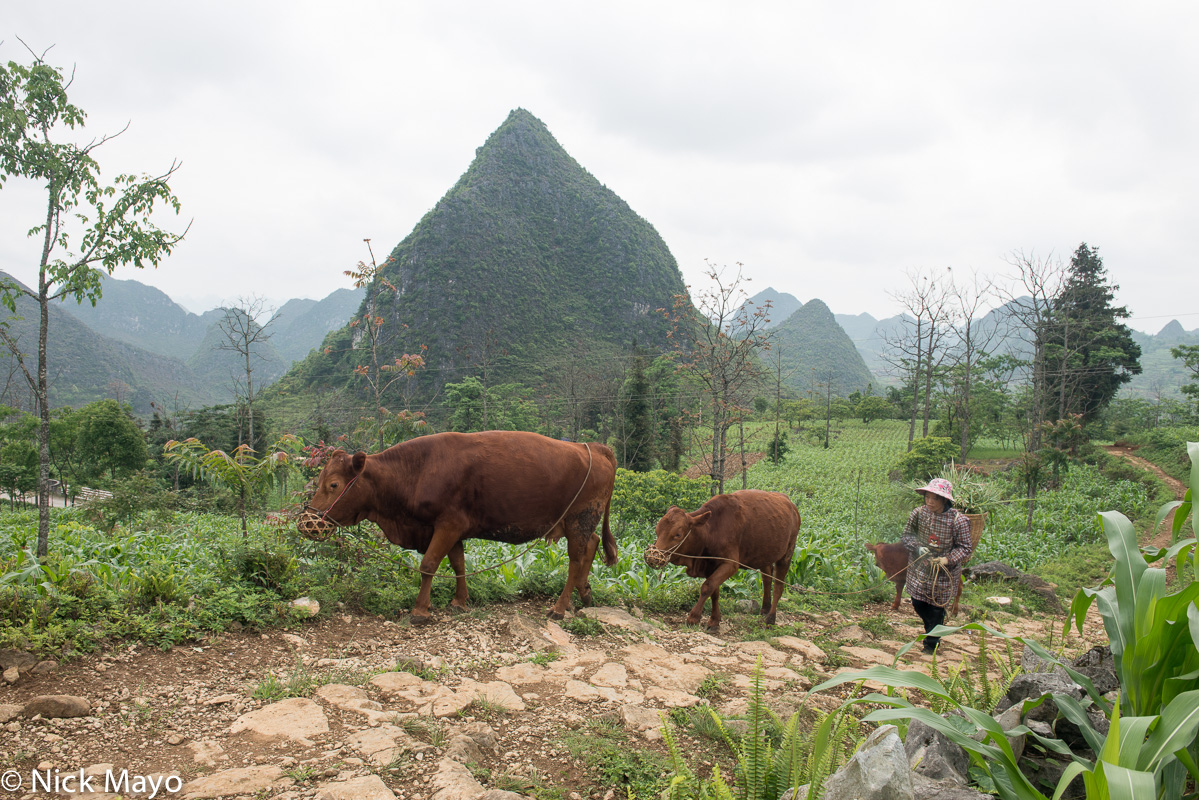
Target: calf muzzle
point(656, 557)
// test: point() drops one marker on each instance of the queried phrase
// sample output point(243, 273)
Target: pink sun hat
point(940, 487)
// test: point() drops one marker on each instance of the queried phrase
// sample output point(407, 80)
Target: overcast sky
point(827, 147)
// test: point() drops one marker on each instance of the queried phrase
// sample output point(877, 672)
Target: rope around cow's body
point(498, 564)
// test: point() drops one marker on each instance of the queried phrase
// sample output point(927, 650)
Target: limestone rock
point(928, 789)
point(45, 667)
point(469, 744)
point(9, 712)
point(52, 706)
point(17, 658)
point(297, 718)
point(495, 693)
point(642, 720)
point(367, 787)
point(244, 781)
point(11, 675)
point(306, 605)
point(878, 771)
point(354, 699)
point(752, 650)
point(612, 675)
point(524, 673)
point(619, 618)
point(380, 746)
point(806, 650)
point(933, 755)
point(429, 698)
point(207, 752)
point(535, 633)
point(454, 781)
point(656, 666)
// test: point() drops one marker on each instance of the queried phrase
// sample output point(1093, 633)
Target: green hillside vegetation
point(222, 369)
point(143, 316)
point(526, 256)
point(815, 350)
point(84, 366)
point(300, 325)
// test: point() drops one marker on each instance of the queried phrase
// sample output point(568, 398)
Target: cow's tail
point(610, 554)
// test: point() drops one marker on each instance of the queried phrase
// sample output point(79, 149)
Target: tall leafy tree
point(108, 440)
point(1090, 354)
point(637, 444)
point(1189, 353)
point(88, 226)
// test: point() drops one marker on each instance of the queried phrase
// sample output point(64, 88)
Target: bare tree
point(719, 347)
point(975, 336)
point(246, 337)
point(919, 348)
point(1038, 281)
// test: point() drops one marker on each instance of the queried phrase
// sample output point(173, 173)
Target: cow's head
point(335, 501)
point(675, 536)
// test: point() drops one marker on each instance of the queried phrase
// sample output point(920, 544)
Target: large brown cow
point(749, 528)
point(431, 493)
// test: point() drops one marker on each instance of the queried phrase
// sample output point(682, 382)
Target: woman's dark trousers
point(932, 616)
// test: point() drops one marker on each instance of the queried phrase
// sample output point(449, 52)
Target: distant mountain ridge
point(138, 344)
point(814, 350)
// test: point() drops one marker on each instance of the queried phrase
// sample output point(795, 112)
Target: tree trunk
point(915, 385)
point(43, 429)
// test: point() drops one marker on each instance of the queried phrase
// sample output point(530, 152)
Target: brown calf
point(892, 559)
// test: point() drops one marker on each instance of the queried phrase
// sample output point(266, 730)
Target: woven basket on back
point(977, 521)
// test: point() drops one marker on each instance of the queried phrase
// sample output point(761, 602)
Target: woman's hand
point(939, 561)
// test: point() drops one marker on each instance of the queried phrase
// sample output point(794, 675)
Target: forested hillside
point(527, 257)
point(814, 351)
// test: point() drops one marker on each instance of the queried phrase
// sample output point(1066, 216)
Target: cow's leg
point(957, 598)
point(767, 580)
point(711, 588)
point(445, 537)
point(898, 595)
point(588, 560)
point(779, 584)
point(457, 556)
point(576, 549)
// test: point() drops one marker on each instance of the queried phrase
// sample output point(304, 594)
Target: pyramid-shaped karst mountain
point(527, 260)
point(814, 349)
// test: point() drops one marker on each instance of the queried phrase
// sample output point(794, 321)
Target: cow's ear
point(700, 517)
point(359, 461)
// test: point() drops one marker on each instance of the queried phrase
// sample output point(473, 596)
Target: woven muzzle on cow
point(431, 493)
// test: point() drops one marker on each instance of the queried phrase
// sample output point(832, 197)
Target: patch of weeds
point(583, 626)
point(604, 748)
point(431, 731)
point(301, 774)
point(534, 784)
point(418, 669)
point(483, 707)
point(877, 626)
point(834, 658)
point(699, 722)
point(712, 686)
point(300, 682)
point(545, 657)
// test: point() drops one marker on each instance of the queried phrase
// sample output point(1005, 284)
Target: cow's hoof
point(714, 629)
point(422, 619)
point(456, 609)
point(552, 614)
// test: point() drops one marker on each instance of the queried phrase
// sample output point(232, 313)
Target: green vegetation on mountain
point(526, 255)
point(815, 350)
point(84, 366)
point(301, 324)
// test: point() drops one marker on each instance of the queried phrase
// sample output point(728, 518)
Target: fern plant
point(765, 770)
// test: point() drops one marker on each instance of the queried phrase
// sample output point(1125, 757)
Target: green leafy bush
point(646, 496)
point(927, 457)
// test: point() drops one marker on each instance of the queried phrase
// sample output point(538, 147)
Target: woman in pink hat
point(937, 538)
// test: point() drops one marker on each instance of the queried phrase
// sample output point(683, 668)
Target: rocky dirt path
point(474, 706)
point(1162, 537)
